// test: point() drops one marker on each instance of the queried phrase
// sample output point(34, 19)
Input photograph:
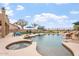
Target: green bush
point(23, 32)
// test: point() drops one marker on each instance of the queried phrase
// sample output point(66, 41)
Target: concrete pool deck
point(28, 51)
point(73, 46)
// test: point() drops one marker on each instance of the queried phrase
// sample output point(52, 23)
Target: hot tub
point(18, 45)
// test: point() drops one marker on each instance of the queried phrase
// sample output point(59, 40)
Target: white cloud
point(12, 21)
point(74, 12)
point(9, 11)
point(20, 7)
point(27, 16)
point(39, 18)
point(6, 4)
point(49, 17)
point(60, 3)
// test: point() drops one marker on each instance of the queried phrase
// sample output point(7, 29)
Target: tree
point(41, 27)
point(76, 25)
point(21, 22)
point(34, 24)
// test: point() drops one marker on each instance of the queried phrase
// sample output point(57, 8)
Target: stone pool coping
point(28, 51)
point(72, 46)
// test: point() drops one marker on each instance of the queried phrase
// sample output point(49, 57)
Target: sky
point(50, 15)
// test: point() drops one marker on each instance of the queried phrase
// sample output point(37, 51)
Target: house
point(4, 23)
point(13, 28)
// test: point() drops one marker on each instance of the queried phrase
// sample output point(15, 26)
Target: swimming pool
point(51, 45)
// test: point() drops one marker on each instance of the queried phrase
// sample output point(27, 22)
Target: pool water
point(18, 45)
point(51, 45)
